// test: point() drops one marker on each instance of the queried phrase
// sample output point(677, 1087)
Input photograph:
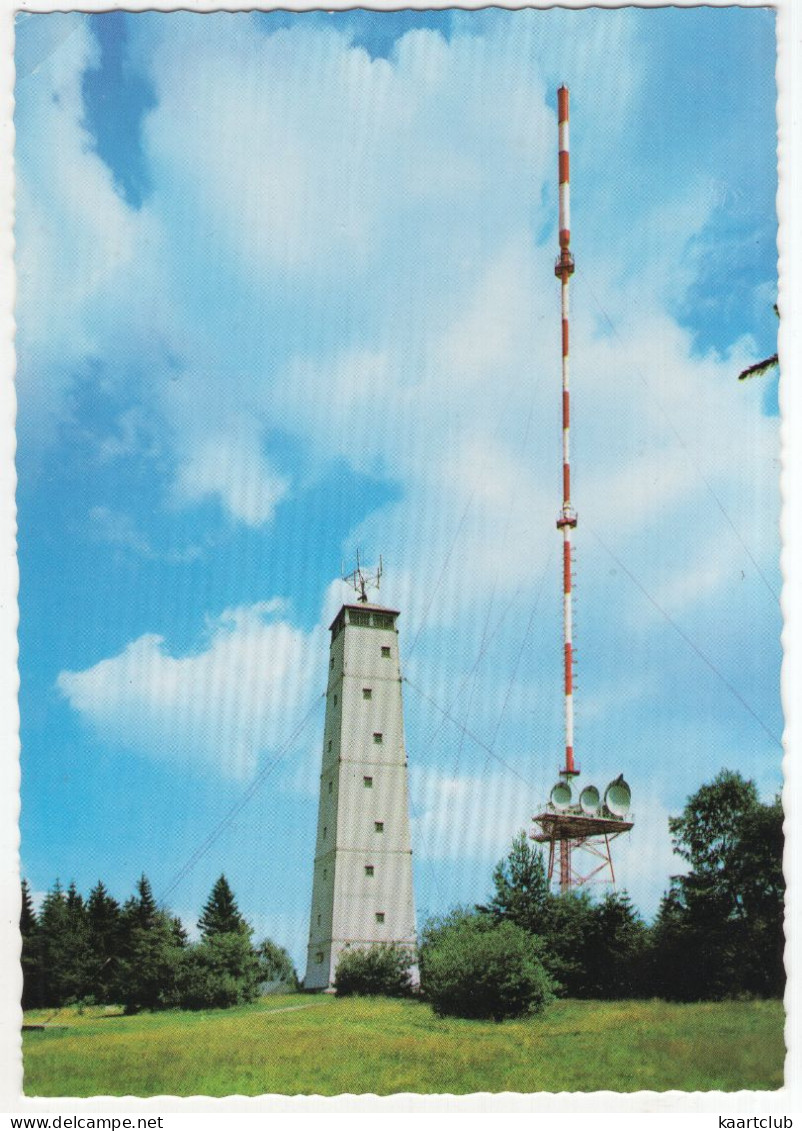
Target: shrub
point(472, 967)
point(276, 970)
point(219, 971)
point(384, 968)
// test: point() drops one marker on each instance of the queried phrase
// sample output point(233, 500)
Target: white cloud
point(233, 469)
point(73, 232)
point(118, 529)
point(222, 708)
point(349, 251)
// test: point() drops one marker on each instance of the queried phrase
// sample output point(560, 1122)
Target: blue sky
point(286, 289)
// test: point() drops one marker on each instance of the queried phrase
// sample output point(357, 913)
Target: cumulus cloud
point(220, 708)
point(234, 471)
point(358, 252)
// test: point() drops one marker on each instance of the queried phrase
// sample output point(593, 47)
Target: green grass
point(383, 1046)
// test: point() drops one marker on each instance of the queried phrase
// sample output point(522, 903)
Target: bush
point(384, 968)
point(219, 971)
point(472, 967)
point(276, 970)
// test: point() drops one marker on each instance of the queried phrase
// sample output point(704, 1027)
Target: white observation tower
point(362, 886)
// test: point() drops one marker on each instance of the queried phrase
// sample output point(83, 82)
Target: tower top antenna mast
point(361, 580)
point(566, 522)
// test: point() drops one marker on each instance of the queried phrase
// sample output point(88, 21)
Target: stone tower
point(362, 887)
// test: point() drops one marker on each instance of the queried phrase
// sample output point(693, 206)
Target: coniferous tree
point(28, 925)
point(148, 974)
point(521, 888)
point(180, 935)
point(54, 951)
point(77, 944)
point(221, 915)
point(615, 950)
point(223, 968)
point(104, 921)
point(589, 950)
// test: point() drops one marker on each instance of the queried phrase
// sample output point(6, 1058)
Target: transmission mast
point(589, 822)
point(566, 522)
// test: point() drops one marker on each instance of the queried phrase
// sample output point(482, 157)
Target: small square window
point(368, 869)
point(378, 738)
point(319, 956)
point(379, 826)
point(386, 651)
point(368, 783)
point(367, 692)
point(379, 916)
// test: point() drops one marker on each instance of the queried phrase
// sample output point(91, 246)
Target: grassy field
point(324, 1045)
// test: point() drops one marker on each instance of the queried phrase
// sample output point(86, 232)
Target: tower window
point(368, 869)
point(325, 831)
point(368, 783)
point(335, 700)
point(331, 786)
point(329, 746)
point(386, 651)
point(367, 692)
point(331, 665)
point(379, 826)
point(319, 956)
point(325, 873)
point(378, 738)
point(379, 916)
point(318, 920)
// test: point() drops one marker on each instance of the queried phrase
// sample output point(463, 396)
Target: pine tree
point(180, 936)
point(148, 970)
point(56, 951)
point(142, 907)
point(221, 916)
point(104, 944)
point(522, 890)
point(223, 968)
point(615, 950)
point(29, 931)
point(77, 944)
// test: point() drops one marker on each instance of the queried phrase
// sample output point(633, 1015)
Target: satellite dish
point(589, 800)
point(618, 796)
point(560, 796)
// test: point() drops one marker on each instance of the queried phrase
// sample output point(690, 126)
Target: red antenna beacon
point(589, 822)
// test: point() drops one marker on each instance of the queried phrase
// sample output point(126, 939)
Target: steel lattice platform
point(576, 826)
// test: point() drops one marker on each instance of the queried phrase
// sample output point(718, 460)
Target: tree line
point(139, 955)
point(718, 932)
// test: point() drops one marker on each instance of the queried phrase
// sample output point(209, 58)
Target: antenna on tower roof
point(361, 580)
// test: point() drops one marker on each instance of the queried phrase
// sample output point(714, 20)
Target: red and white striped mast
point(564, 269)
